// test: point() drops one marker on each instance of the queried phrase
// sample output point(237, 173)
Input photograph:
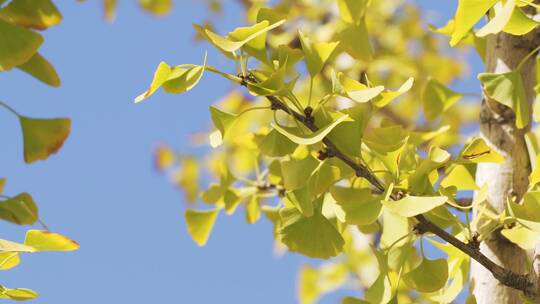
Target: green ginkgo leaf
point(359, 205)
point(312, 236)
point(224, 122)
point(43, 137)
point(48, 241)
point(20, 210)
point(175, 80)
point(314, 137)
point(519, 23)
point(509, 90)
point(528, 212)
point(429, 276)
point(352, 11)
point(200, 224)
point(503, 12)
point(302, 199)
point(275, 144)
point(17, 294)
point(41, 69)
point(355, 41)
point(461, 176)
point(410, 206)
point(229, 44)
point(157, 7)
point(296, 172)
point(323, 177)
point(437, 98)
point(270, 86)
point(36, 14)
point(354, 90)
point(521, 236)
point(477, 151)
point(387, 96)
point(380, 291)
point(419, 179)
point(316, 53)
point(467, 14)
point(18, 45)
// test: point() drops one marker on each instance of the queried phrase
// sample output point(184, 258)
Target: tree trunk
point(497, 127)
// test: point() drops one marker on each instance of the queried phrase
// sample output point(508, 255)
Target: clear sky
point(101, 189)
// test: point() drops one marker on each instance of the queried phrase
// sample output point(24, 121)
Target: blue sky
point(101, 189)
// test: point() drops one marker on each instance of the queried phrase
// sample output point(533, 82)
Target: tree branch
point(511, 279)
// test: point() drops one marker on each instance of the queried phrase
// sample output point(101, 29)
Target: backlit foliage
point(333, 84)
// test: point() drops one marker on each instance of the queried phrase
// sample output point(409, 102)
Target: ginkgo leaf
point(352, 11)
point(519, 23)
point(296, 172)
point(41, 69)
point(158, 7)
point(429, 276)
point(503, 12)
point(18, 45)
point(9, 260)
point(37, 14)
point(312, 236)
point(18, 294)
point(316, 53)
point(462, 177)
point(380, 291)
point(175, 80)
point(223, 121)
point(109, 7)
point(275, 144)
point(509, 90)
point(302, 199)
point(387, 96)
point(314, 137)
point(477, 151)
point(528, 212)
point(437, 98)
point(9, 246)
point(43, 137)
point(250, 33)
point(521, 236)
point(21, 210)
point(355, 90)
point(419, 179)
point(359, 205)
point(253, 210)
point(534, 177)
point(467, 14)
point(410, 206)
point(270, 86)
point(323, 177)
point(200, 224)
point(49, 241)
point(355, 40)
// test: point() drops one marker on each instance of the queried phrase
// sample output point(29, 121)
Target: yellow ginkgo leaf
point(43, 240)
point(200, 224)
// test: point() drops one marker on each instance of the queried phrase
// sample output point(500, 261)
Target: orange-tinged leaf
point(43, 137)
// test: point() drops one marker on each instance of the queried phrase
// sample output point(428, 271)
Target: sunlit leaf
point(109, 7)
point(528, 212)
point(355, 90)
point(313, 137)
point(429, 276)
point(18, 294)
point(352, 11)
point(43, 137)
point(503, 12)
point(41, 69)
point(509, 90)
point(410, 206)
point(253, 210)
point(359, 205)
point(380, 291)
point(223, 121)
point(467, 14)
point(49, 241)
point(438, 99)
point(275, 144)
point(37, 14)
point(355, 40)
point(158, 7)
point(521, 236)
point(387, 96)
point(21, 210)
point(312, 236)
point(200, 224)
point(9, 246)
point(18, 45)
point(316, 53)
point(519, 23)
point(296, 173)
point(9, 260)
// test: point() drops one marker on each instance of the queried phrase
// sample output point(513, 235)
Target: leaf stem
point(10, 109)
point(531, 53)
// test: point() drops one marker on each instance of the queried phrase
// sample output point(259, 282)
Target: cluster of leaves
point(20, 21)
point(342, 164)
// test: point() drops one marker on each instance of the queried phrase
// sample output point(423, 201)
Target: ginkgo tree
point(344, 134)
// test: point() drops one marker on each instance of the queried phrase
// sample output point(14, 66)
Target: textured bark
point(497, 127)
